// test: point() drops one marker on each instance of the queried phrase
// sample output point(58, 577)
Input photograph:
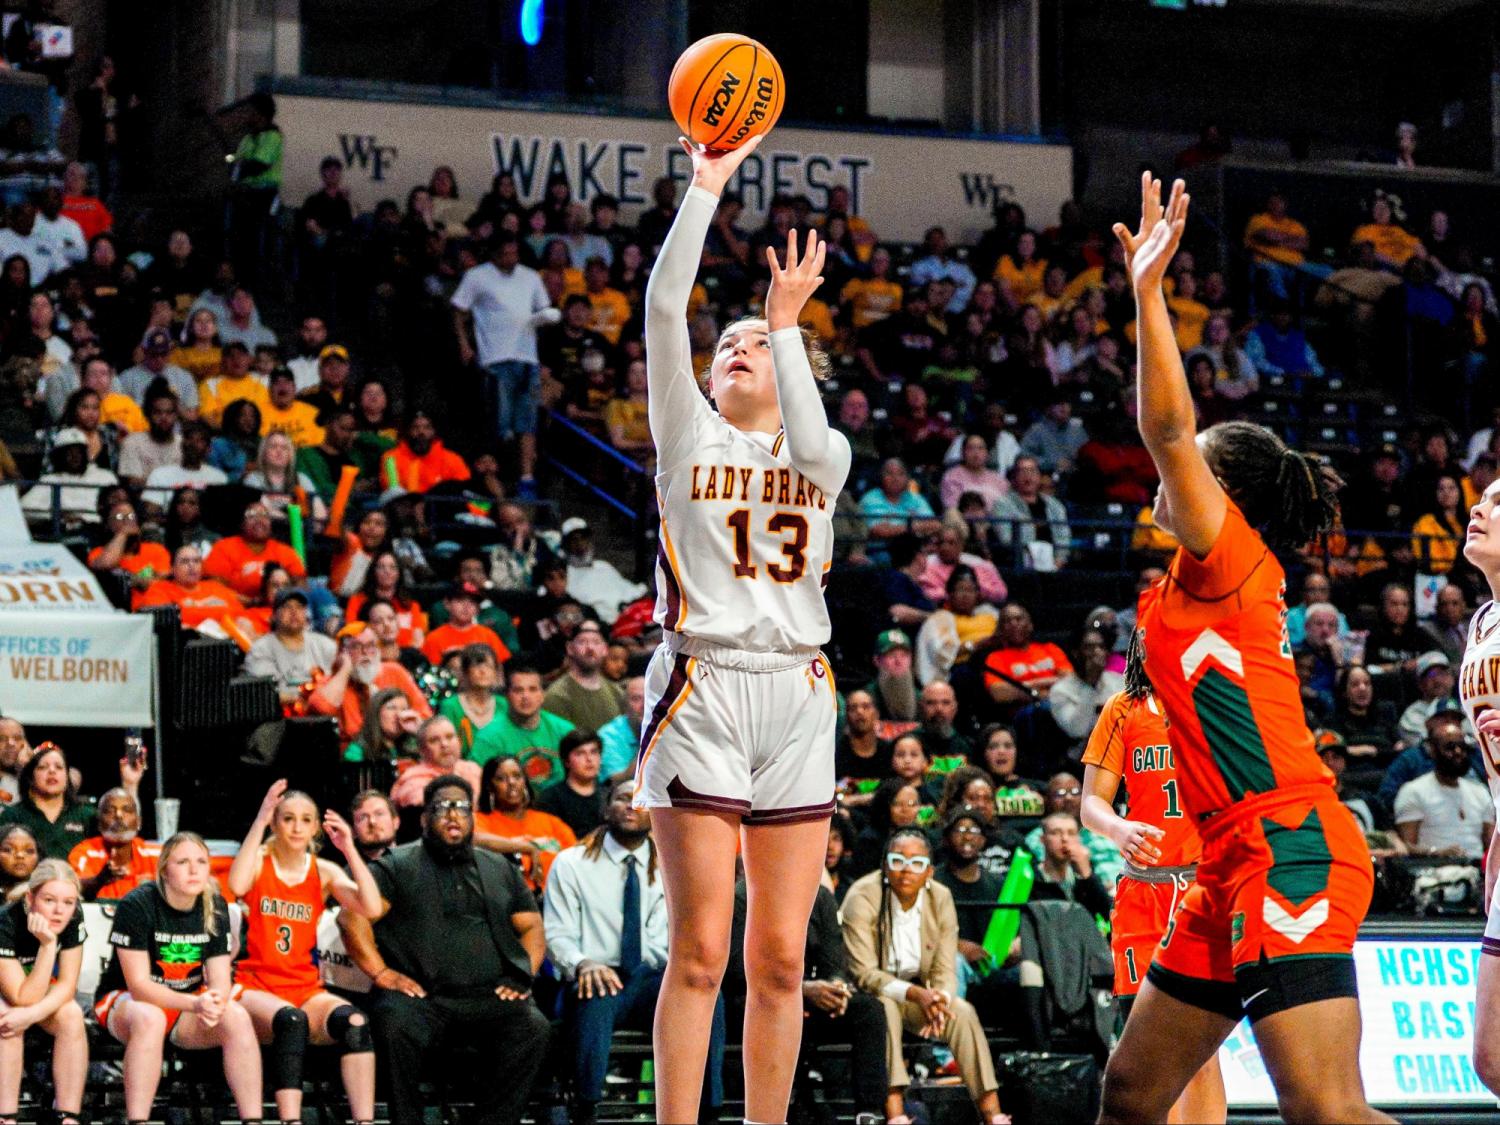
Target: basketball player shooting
point(737, 749)
point(1479, 688)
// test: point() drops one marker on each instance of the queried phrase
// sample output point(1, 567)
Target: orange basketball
point(724, 90)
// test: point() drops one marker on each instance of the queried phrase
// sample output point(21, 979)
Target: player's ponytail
point(1289, 496)
point(1137, 683)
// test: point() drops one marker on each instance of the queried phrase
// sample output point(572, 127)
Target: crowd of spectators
point(326, 442)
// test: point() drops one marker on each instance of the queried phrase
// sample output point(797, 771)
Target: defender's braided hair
point(1289, 496)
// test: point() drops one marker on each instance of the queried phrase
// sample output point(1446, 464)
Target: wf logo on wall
point(365, 152)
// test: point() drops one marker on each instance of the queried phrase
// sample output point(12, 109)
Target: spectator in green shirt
point(581, 694)
point(50, 806)
point(257, 183)
point(323, 463)
point(525, 731)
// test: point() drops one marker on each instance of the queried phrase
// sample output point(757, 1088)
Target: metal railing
point(635, 477)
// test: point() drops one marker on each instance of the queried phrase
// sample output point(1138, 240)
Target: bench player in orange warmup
point(1158, 842)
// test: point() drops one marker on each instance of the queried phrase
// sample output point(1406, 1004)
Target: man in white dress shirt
point(605, 917)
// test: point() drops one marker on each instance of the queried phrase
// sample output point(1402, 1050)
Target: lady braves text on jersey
point(1479, 686)
point(760, 539)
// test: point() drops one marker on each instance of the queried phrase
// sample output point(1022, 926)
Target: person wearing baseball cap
point(333, 382)
point(594, 581)
point(1436, 692)
point(894, 688)
point(357, 674)
point(291, 652)
point(286, 413)
point(462, 627)
point(70, 467)
point(156, 347)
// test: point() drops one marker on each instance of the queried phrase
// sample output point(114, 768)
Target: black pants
point(862, 1026)
point(512, 1032)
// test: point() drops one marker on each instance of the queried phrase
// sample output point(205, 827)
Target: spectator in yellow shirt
point(200, 353)
point(1192, 314)
point(284, 413)
point(611, 308)
point(1020, 272)
point(1274, 236)
point(871, 299)
point(625, 417)
point(98, 375)
point(1052, 297)
point(237, 381)
point(1437, 535)
point(1394, 245)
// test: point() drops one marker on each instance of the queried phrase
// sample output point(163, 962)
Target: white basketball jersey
point(746, 543)
point(1479, 685)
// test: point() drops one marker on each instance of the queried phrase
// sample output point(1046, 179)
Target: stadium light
point(531, 21)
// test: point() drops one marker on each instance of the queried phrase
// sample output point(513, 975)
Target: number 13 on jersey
point(790, 527)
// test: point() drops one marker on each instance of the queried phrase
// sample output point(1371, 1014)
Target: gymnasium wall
point(902, 183)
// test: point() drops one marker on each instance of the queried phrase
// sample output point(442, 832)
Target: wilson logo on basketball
point(765, 92)
point(723, 96)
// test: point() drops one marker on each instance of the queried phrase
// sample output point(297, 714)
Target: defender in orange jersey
point(283, 886)
point(1159, 844)
point(1267, 929)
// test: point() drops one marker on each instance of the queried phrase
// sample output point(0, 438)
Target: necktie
point(630, 921)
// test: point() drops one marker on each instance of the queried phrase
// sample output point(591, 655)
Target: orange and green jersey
point(1130, 741)
point(1218, 656)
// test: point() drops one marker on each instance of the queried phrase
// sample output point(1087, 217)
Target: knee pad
point(288, 1047)
point(350, 1038)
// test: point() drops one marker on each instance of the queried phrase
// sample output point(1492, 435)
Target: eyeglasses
point(451, 806)
point(968, 830)
point(1074, 792)
point(916, 864)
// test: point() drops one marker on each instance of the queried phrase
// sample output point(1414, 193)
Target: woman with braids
point(901, 931)
point(170, 978)
point(1159, 844)
point(284, 885)
point(1267, 930)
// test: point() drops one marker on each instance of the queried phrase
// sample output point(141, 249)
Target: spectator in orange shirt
point(84, 209)
point(461, 628)
point(385, 578)
point(357, 674)
point(238, 560)
point(117, 861)
point(1029, 668)
point(125, 551)
point(347, 573)
point(198, 599)
point(421, 461)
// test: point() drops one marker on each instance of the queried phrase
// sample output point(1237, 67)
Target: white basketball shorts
point(748, 733)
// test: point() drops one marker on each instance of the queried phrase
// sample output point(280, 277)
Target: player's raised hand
point(793, 283)
point(1149, 250)
point(270, 800)
point(712, 167)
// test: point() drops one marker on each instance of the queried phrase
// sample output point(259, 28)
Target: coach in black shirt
point(461, 937)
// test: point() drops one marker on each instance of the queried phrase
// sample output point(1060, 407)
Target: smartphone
point(135, 748)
